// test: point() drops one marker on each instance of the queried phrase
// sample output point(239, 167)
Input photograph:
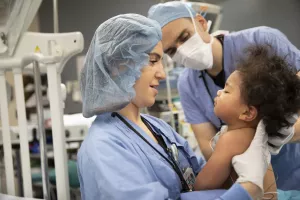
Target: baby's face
point(228, 103)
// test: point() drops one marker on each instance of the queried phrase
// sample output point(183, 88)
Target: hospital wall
point(85, 16)
point(281, 14)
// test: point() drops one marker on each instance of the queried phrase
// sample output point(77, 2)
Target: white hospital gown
point(215, 139)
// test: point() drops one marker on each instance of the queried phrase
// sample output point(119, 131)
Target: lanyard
point(175, 167)
point(159, 139)
point(210, 95)
point(221, 39)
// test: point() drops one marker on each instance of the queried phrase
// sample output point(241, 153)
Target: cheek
point(225, 106)
point(142, 84)
point(221, 108)
point(141, 81)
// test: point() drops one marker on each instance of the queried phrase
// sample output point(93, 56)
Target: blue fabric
point(115, 163)
point(164, 13)
point(288, 195)
point(117, 53)
point(236, 192)
point(198, 106)
point(286, 166)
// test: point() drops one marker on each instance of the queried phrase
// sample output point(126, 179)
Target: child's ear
point(249, 114)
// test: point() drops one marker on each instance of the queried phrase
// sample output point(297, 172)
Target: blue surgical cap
point(164, 13)
point(119, 50)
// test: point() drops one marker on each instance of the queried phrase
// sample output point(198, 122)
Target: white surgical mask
point(195, 53)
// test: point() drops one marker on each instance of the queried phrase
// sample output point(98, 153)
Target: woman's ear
point(202, 21)
point(249, 114)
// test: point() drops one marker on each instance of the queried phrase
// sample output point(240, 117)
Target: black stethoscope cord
point(208, 91)
point(172, 163)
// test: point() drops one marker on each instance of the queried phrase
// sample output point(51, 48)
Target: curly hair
point(271, 85)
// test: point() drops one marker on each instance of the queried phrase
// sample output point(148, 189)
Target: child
point(264, 87)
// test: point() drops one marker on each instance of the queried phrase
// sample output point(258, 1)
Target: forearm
point(204, 133)
point(215, 172)
point(205, 147)
point(209, 179)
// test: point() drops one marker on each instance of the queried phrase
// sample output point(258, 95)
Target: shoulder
point(160, 124)
point(256, 35)
point(103, 136)
point(256, 32)
point(167, 130)
point(268, 35)
point(236, 141)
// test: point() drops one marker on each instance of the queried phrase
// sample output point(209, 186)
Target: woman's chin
point(148, 103)
point(145, 103)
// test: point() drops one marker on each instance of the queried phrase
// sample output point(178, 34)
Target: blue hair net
point(119, 50)
point(164, 13)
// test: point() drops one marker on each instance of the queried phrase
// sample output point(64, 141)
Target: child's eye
point(226, 91)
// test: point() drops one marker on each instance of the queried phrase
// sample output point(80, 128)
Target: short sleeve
point(281, 45)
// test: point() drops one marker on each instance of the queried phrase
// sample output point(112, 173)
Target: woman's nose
point(161, 74)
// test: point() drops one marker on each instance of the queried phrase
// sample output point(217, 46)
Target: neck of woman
point(132, 112)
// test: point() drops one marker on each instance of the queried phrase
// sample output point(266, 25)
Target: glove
point(287, 134)
point(251, 166)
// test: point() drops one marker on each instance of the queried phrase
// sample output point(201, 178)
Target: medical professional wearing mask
point(128, 155)
point(209, 61)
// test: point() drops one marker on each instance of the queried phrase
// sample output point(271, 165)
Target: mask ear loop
point(194, 23)
point(191, 15)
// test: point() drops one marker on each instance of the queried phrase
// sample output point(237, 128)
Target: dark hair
point(271, 85)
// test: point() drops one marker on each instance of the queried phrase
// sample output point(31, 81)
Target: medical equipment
point(22, 52)
point(172, 162)
point(174, 152)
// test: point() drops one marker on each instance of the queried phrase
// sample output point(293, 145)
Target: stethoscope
point(202, 75)
point(172, 152)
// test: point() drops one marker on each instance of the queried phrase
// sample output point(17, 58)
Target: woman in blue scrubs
point(128, 155)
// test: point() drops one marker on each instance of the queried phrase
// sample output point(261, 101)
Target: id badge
point(189, 177)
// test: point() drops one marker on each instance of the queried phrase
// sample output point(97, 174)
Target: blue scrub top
point(115, 163)
point(199, 108)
